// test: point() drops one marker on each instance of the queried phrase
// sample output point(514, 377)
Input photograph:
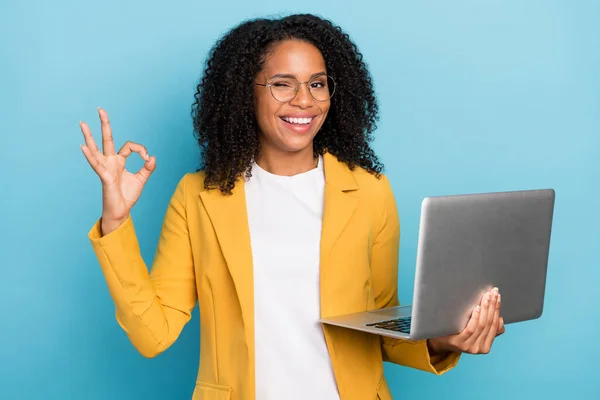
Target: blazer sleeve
point(384, 275)
point(151, 307)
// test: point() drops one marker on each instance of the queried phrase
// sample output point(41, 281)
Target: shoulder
point(190, 184)
point(194, 181)
point(378, 197)
point(372, 185)
point(369, 184)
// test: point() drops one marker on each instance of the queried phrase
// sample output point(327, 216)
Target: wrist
point(107, 225)
point(435, 348)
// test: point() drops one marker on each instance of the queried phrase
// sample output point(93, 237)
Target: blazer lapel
point(230, 221)
point(339, 204)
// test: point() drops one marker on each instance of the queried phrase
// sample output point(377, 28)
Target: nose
point(303, 98)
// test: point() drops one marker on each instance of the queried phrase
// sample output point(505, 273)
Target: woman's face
point(290, 126)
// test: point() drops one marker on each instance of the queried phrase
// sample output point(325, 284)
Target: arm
point(384, 275)
point(152, 308)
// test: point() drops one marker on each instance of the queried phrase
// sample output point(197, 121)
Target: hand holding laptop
point(478, 336)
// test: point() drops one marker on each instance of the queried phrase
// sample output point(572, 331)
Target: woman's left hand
point(479, 334)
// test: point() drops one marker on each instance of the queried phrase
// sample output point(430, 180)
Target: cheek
point(266, 111)
point(324, 110)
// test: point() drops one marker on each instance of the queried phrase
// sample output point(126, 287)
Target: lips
point(298, 123)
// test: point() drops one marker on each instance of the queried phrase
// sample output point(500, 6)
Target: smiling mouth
point(298, 121)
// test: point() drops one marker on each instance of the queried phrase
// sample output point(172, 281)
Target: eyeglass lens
point(284, 89)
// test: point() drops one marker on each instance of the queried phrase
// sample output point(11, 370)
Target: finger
point(501, 328)
point(96, 165)
point(491, 312)
point(492, 299)
point(89, 139)
point(481, 323)
point(493, 328)
point(493, 306)
point(131, 147)
point(471, 327)
point(108, 145)
point(149, 166)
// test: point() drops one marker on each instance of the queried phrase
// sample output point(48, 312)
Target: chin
point(297, 144)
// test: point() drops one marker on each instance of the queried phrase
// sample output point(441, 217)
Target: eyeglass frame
point(270, 85)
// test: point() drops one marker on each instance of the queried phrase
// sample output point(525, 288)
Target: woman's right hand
point(120, 188)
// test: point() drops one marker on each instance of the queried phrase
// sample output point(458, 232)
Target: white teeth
point(299, 121)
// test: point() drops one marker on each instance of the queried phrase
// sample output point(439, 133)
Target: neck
point(286, 163)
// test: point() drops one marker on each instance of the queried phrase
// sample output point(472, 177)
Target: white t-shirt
point(284, 216)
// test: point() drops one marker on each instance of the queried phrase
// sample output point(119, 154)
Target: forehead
point(294, 57)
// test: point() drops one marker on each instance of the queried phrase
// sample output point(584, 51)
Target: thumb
point(147, 170)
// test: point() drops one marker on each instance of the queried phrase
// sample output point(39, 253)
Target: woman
point(289, 219)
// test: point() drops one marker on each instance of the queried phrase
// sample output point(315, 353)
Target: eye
point(319, 84)
point(284, 84)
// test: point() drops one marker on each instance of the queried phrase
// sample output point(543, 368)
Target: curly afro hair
point(223, 111)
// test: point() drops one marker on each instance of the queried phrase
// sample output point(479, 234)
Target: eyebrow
point(292, 76)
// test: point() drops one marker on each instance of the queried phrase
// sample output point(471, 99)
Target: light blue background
point(475, 95)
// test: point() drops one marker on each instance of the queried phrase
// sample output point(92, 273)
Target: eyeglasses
point(285, 88)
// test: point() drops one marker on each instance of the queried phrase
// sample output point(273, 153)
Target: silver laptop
point(467, 245)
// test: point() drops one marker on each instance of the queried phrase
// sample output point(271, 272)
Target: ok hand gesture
point(121, 189)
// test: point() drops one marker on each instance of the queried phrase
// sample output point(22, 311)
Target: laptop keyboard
point(397, 325)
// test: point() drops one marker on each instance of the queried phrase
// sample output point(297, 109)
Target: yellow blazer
point(204, 256)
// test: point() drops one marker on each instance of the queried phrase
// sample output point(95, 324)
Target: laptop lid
point(470, 243)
